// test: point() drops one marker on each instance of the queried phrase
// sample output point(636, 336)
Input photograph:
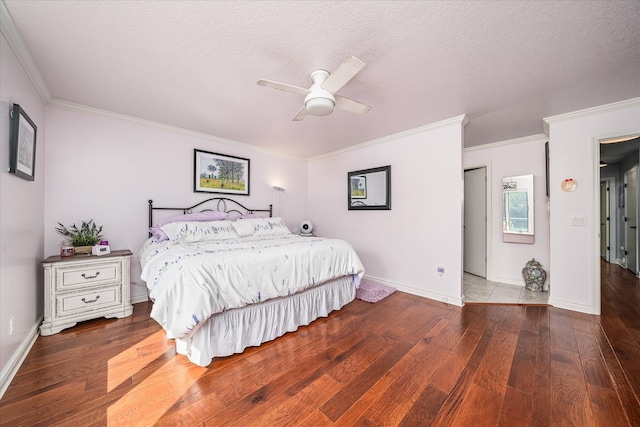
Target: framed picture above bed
point(22, 144)
point(220, 173)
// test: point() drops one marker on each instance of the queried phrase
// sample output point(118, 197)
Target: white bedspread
point(189, 282)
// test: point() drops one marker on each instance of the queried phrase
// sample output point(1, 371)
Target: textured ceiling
point(194, 64)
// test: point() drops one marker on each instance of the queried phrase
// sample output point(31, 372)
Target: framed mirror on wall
point(369, 189)
point(517, 209)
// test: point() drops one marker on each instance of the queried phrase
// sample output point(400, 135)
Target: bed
point(223, 277)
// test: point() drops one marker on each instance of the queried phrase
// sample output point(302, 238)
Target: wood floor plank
point(395, 402)
point(626, 394)
point(522, 372)
point(593, 364)
point(607, 408)
point(517, 409)
point(479, 407)
point(493, 372)
point(571, 404)
point(341, 401)
point(446, 377)
point(404, 361)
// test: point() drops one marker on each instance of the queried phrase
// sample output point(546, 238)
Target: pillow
point(161, 236)
point(196, 216)
point(158, 234)
point(244, 228)
point(251, 215)
point(268, 226)
point(194, 231)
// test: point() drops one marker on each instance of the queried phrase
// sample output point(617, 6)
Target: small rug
point(372, 291)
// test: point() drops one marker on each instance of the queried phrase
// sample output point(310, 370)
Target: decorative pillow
point(199, 231)
point(268, 226)
point(161, 236)
point(244, 228)
point(158, 234)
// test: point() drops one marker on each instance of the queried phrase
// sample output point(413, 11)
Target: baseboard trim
point(447, 299)
point(135, 299)
point(568, 305)
point(11, 368)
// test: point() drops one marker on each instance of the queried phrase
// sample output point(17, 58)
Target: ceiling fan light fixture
point(319, 106)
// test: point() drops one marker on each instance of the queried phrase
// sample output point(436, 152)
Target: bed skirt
point(232, 331)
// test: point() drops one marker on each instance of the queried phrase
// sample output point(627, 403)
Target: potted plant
point(83, 237)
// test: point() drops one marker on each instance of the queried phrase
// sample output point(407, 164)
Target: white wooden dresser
point(85, 287)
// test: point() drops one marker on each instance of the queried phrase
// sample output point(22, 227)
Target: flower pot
point(83, 250)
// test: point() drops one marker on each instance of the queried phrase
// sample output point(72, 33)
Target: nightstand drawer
point(82, 276)
point(86, 302)
point(79, 288)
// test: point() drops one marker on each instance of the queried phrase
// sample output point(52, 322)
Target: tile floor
point(478, 289)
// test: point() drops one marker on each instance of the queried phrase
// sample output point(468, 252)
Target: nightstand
point(85, 287)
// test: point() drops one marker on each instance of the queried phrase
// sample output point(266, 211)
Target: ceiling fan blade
point(348, 104)
point(283, 86)
point(301, 115)
point(343, 74)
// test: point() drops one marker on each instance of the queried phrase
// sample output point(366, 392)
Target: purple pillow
point(158, 234)
point(203, 216)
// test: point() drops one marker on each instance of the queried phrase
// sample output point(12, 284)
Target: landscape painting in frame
point(219, 173)
point(359, 187)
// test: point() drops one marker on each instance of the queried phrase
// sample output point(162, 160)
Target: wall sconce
point(279, 190)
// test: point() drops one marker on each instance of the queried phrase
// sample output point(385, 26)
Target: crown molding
point(531, 138)
point(461, 120)
point(10, 32)
point(79, 107)
point(633, 102)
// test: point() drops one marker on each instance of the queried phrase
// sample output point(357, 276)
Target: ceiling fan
point(320, 98)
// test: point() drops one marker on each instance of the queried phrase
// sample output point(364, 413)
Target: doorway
point(475, 221)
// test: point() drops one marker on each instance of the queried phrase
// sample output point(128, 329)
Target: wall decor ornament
point(569, 184)
point(534, 276)
point(22, 144)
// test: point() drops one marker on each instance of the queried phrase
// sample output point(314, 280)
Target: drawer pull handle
point(91, 300)
point(91, 277)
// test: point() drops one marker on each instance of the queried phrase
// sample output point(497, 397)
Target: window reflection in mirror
point(370, 189)
point(517, 209)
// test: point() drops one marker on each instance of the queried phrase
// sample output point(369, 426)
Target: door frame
point(595, 260)
point(488, 261)
point(626, 229)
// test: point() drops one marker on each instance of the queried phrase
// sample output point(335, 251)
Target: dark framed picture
point(219, 173)
point(22, 144)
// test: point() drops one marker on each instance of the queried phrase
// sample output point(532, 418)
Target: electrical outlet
point(12, 322)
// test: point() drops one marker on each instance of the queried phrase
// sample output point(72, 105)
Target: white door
point(475, 221)
point(631, 220)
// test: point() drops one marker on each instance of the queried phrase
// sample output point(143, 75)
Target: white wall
point(21, 219)
point(523, 156)
point(106, 167)
point(574, 153)
point(404, 246)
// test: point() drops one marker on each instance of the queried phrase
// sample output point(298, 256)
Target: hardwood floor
point(404, 361)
